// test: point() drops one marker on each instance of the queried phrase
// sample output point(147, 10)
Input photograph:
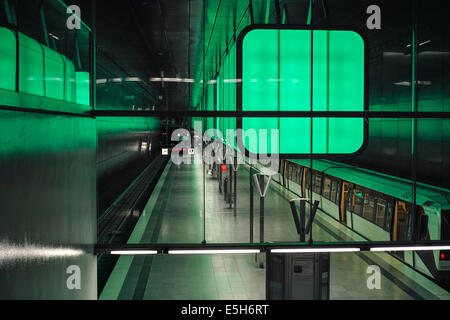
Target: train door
point(400, 227)
point(400, 224)
point(345, 193)
point(304, 178)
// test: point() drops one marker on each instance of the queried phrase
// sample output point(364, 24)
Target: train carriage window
point(389, 211)
point(299, 174)
point(357, 200)
point(338, 192)
point(327, 188)
point(380, 212)
point(317, 182)
point(368, 206)
point(307, 177)
point(334, 191)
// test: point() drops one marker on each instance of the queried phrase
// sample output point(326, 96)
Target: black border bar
point(273, 114)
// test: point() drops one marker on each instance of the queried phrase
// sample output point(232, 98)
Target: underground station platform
point(225, 158)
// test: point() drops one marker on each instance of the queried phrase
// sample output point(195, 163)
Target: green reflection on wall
point(276, 76)
point(114, 125)
point(23, 133)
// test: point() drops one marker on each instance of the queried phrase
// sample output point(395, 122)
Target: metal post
point(251, 207)
point(235, 190)
point(261, 211)
point(302, 220)
point(225, 188)
point(231, 186)
point(220, 178)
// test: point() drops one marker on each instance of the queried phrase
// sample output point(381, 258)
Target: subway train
point(377, 206)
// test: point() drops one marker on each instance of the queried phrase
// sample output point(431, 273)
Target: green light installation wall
point(31, 61)
point(42, 71)
point(83, 87)
point(210, 105)
point(54, 74)
point(8, 60)
point(226, 92)
point(70, 78)
point(276, 76)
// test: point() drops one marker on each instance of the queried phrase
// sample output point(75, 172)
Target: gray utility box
point(298, 276)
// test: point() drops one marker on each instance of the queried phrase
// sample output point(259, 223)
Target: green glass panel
point(320, 90)
point(8, 59)
point(54, 74)
point(232, 124)
point(346, 90)
point(221, 95)
point(295, 88)
point(31, 61)
point(276, 75)
point(218, 97)
point(210, 104)
point(83, 87)
point(70, 85)
point(259, 81)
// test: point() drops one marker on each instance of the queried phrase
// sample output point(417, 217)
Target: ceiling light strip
point(314, 250)
point(134, 252)
point(410, 248)
point(219, 251)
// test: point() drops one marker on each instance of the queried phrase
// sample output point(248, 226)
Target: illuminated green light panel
point(276, 76)
point(42, 71)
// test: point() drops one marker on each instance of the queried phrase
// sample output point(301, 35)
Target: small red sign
point(223, 167)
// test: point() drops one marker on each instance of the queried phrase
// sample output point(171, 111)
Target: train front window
point(369, 205)
point(380, 211)
point(327, 188)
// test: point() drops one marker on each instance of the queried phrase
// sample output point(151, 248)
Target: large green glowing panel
point(295, 87)
point(83, 87)
point(70, 78)
point(281, 72)
point(7, 59)
point(54, 74)
point(260, 82)
point(346, 90)
point(31, 70)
